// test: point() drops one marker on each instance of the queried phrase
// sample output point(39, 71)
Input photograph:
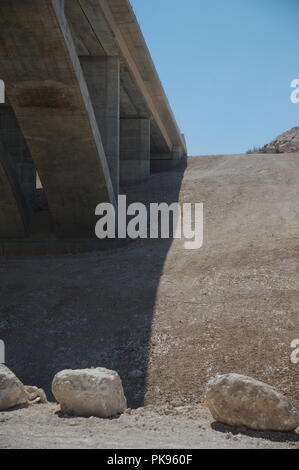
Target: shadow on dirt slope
point(87, 310)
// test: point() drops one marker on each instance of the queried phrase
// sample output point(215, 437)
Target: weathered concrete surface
point(134, 150)
point(166, 161)
point(102, 75)
point(12, 205)
point(110, 27)
point(72, 70)
point(134, 49)
point(14, 143)
point(48, 92)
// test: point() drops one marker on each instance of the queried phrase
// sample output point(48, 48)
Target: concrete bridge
point(84, 110)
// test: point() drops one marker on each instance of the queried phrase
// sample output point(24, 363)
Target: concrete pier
point(15, 145)
point(102, 75)
point(50, 97)
point(90, 111)
point(13, 212)
point(134, 150)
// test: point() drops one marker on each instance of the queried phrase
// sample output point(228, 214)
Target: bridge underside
point(85, 107)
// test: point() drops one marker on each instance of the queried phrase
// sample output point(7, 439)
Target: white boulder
point(12, 391)
point(89, 392)
point(237, 400)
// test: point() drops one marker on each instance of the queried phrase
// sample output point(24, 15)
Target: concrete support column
point(168, 161)
point(47, 89)
point(15, 145)
point(134, 150)
point(12, 204)
point(102, 75)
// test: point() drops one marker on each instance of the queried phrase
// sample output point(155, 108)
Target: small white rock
point(35, 395)
point(136, 374)
point(238, 400)
point(89, 392)
point(12, 391)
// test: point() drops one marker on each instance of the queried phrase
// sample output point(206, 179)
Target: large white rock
point(242, 401)
point(89, 392)
point(12, 391)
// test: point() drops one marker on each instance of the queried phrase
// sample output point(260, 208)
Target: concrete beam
point(102, 78)
point(137, 103)
point(86, 41)
point(166, 161)
point(134, 151)
point(105, 21)
point(112, 26)
point(134, 48)
point(46, 87)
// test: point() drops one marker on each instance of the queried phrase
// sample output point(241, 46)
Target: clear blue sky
point(226, 66)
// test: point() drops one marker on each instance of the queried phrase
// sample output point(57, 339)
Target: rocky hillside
point(288, 142)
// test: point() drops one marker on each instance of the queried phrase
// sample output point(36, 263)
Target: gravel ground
point(167, 427)
point(179, 316)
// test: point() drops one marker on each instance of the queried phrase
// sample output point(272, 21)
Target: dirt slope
point(232, 306)
point(179, 316)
